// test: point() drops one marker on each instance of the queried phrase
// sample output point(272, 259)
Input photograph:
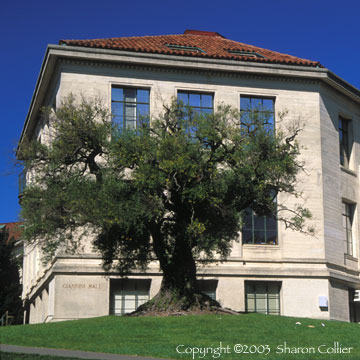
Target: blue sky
point(326, 31)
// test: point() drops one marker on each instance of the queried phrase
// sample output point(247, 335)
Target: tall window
point(344, 126)
point(129, 107)
point(253, 107)
point(259, 229)
point(347, 220)
point(263, 297)
point(199, 103)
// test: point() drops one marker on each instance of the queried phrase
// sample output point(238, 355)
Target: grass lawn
point(160, 336)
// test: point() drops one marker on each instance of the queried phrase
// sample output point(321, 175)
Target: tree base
point(166, 303)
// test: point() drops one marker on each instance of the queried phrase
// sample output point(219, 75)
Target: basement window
point(184, 48)
point(126, 295)
point(263, 297)
point(245, 53)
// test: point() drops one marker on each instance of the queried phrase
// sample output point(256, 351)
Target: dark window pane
point(247, 220)
point(206, 111)
point(256, 103)
point(259, 237)
point(143, 96)
point(118, 120)
point(194, 100)
point(271, 237)
point(259, 222)
point(117, 109)
point(269, 119)
point(183, 97)
point(344, 142)
point(246, 117)
point(207, 101)
point(143, 110)
point(247, 237)
point(143, 114)
point(130, 95)
point(268, 105)
point(270, 223)
point(196, 110)
point(244, 103)
point(117, 94)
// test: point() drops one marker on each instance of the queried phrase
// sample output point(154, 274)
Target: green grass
point(159, 336)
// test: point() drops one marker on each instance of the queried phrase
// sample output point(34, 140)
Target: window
point(252, 108)
point(184, 48)
point(208, 287)
point(344, 126)
point(200, 103)
point(263, 297)
point(259, 229)
point(245, 53)
point(128, 294)
point(129, 107)
point(347, 220)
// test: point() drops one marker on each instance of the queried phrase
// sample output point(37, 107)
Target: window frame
point(196, 92)
point(208, 287)
point(347, 216)
point(137, 117)
point(262, 98)
point(255, 283)
point(126, 295)
point(345, 141)
point(188, 128)
point(123, 290)
point(265, 230)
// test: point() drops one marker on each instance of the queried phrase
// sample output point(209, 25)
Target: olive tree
point(173, 191)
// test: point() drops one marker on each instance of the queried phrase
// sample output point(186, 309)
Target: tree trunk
point(178, 291)
point(179, 275)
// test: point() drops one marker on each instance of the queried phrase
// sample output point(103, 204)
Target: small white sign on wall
point(323, 301)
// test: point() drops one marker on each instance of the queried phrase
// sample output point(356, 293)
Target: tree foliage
point(174, 191)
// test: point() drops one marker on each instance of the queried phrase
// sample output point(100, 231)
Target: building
point(271, 269)
point(11, 249)
point(11, 232)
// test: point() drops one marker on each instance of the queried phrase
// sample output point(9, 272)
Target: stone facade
point(297, 273)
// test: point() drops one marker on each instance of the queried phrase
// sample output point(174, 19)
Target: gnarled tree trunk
point(179, 290)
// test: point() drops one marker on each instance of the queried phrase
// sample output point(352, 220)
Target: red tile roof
point(203, 44)
point(13, 229)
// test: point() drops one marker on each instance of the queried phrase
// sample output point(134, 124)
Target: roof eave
point(53, 52)
point(44, 76)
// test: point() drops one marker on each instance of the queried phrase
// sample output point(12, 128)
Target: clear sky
point(323, 30)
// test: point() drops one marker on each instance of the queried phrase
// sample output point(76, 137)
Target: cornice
point(187, 71)
point(176, 64)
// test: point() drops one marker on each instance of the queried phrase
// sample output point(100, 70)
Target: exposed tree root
point(166, 303)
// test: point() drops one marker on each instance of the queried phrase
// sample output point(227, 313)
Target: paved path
point(69, 353)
